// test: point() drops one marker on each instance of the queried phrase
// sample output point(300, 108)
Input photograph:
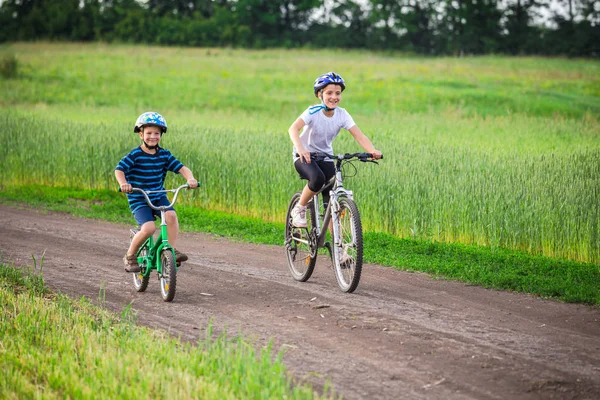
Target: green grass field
point(498, 154)
point(54, 347)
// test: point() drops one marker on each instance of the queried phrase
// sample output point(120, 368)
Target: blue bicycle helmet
point(150, 118)
point(328, 79)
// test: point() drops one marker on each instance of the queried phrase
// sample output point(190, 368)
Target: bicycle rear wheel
point(300, 243)
point(168, 277)
point(348, 246)
point(140, 279)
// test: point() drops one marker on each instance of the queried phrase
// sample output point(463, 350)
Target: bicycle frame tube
point(332, 208)
point(148, 259)
point(321, 233)
point(162, 241)
point(156, 247)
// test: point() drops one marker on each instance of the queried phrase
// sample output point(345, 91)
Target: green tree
point(578, 29)
point(273, 22)
point(405, 24)
point(471, 26)
point(352, 23)
point(520, 34)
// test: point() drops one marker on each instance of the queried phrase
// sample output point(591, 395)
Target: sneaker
point(299, 216)
point(131, 264)
point(345, 260)
point(180, 257)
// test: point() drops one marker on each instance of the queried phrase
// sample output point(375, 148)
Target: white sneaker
point(299, 216)
point(345, 259)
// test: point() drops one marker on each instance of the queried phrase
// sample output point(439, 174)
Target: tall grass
point(540, 202)
point(55, 347)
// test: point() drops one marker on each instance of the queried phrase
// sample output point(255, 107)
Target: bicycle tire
point(351, 242)
point(300, 243)
point(168, 277)
point(140, 279)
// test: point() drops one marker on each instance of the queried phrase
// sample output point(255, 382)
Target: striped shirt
point(147, 172)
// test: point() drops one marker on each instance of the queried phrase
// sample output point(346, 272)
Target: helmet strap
point(323, 102)
point(315, 109)
point(150, 147)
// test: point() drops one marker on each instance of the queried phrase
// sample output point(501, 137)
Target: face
point(331, 95)
point(151, 135)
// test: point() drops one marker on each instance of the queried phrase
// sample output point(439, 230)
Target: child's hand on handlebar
point(377, 154)
point(126, 188)
point(193, 183)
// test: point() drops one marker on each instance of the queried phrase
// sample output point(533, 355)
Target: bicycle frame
point(155, 248)
point(337, 191)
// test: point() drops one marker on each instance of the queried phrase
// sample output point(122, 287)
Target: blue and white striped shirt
point(147, 172)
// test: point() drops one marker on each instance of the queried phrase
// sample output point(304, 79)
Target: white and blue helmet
point(328, 79)
point(150, 118)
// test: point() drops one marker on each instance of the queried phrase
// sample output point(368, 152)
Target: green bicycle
point(157, 254)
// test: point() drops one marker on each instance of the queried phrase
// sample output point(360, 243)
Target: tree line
point(441, 27)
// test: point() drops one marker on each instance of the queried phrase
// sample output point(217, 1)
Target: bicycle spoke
point(348, 246)
point(299, 244)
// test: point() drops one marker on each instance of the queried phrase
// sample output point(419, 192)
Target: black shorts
point(317, 173)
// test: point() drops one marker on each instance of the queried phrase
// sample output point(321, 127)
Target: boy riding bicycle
point(145, 167)
point(321, 123)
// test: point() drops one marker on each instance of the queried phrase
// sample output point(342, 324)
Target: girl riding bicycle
point(321, 123)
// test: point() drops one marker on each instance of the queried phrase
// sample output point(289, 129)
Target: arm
point(189, 177)
point(120, 175)
point(364, 141)
point(294, 132)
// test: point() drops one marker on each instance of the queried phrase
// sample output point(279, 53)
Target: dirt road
point(399, 336)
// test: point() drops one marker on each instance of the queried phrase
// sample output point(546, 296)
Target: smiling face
point(331, 95)
point(151, 135)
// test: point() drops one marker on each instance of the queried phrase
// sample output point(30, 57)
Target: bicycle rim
point(140, 281)
point(168, 277)
point(299, 243)
point(348, 249)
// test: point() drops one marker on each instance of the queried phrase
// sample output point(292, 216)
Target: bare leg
point(306, 196)
point(172, 227)
point(145, 232)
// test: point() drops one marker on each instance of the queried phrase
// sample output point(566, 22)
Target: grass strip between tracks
point(52, 346)
point(496, 268)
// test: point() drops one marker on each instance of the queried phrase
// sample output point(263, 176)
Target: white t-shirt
point(320, 130)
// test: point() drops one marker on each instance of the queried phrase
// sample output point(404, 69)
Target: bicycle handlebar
point(364, 157)
point(159, 208)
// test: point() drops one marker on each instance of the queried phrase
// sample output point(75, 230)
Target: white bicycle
point(341, 214)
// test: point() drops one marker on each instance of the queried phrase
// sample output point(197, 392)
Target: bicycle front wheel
point(348, 246)
point(300, 243)
point(168, 277)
